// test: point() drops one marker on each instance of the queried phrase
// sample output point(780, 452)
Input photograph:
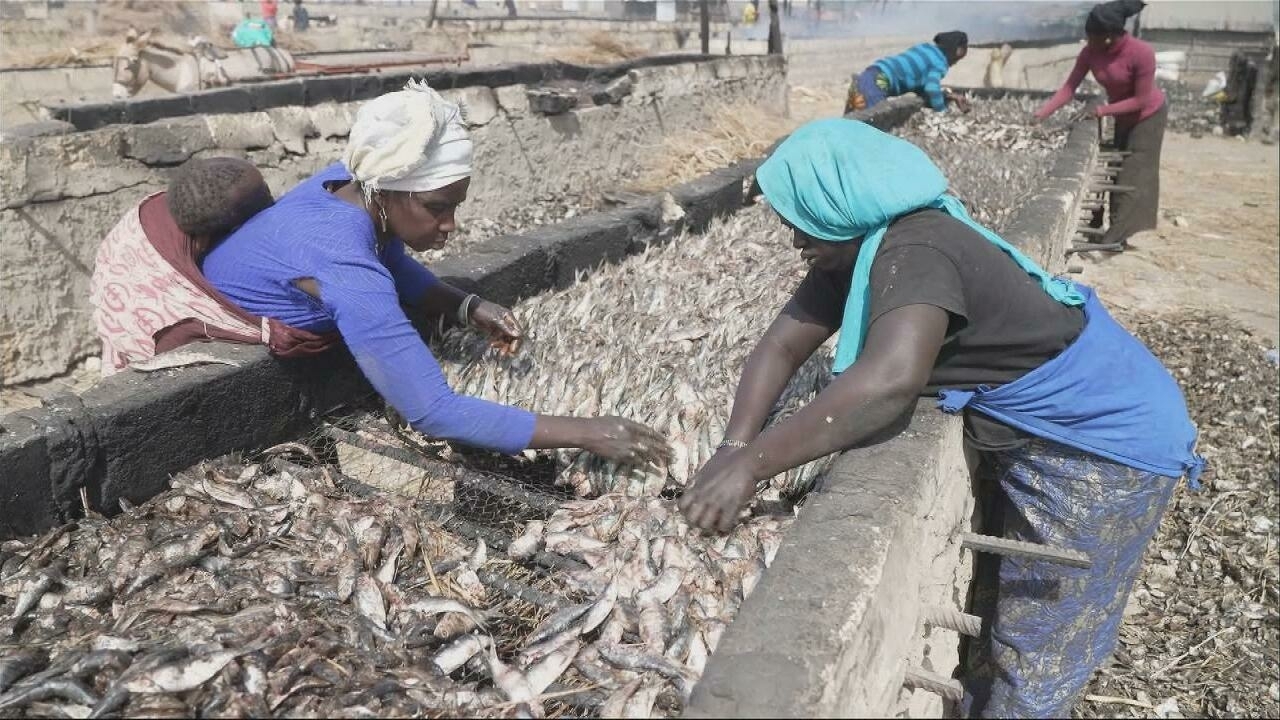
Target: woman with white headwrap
point(330, 255)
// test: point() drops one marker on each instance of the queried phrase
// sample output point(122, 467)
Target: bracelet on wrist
point(735, 444)
point(464, 309)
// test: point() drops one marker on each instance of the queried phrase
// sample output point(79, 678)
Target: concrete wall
point(371, 27)
point(60, 195)
point(838, 618)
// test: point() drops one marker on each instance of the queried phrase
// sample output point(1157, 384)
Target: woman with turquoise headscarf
point(1085, 431)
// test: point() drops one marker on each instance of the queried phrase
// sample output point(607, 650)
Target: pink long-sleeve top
point(1126, 70)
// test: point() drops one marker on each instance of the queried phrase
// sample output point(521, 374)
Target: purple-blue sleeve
point(361, 295)
point(412, 278)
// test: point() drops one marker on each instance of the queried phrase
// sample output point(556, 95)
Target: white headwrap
point(412, 140)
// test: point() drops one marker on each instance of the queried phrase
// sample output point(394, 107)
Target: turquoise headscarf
point(840, 180)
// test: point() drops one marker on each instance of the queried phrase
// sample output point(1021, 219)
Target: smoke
point(985, 22)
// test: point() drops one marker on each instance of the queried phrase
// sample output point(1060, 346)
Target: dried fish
point(457, 654)
point(17, 665)
point(180, 676)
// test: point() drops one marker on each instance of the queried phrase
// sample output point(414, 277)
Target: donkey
point(139, 60)
point(994, 77)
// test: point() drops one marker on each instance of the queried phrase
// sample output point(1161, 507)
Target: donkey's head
point(128, 70)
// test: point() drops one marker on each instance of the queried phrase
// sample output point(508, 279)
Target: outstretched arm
point(420, 288)
point(788, 342)
point(1068, 89)
point(901, 348)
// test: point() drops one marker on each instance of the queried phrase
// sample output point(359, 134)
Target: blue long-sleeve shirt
point(310, 233)
point(919, 69)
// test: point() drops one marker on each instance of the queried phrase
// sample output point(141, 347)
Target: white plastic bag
point(1215, 86)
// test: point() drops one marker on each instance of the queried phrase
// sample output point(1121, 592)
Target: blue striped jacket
point(919, 69)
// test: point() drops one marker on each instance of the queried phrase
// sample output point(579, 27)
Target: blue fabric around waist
point(868, 87)
point(1105, 394)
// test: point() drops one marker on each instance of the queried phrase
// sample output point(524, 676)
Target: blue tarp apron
point(1105, 394)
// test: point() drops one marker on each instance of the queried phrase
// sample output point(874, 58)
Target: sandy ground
point(1216, 248)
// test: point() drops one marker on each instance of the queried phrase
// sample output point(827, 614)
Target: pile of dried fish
point(660, 338)
point(260, 590)
point(993, 157)
point(1202, 631)
point(659, 596)
point(279, 590)
point(473, 230)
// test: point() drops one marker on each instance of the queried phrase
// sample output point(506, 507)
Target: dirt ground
point(1216, 248)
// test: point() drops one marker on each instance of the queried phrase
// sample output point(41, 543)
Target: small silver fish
point(390, 559)
point(640, 704)
point(438, 606)
point(557, 622)
point(32, 591)
point(654, 625)
point(16, 665)
point(63, 688)
point(176, 553)
point(601, 609)
point(535, 653)
point(369, 600)
point(457, 654)
point(513, 684)
point(479, 556)
point(615, 705)
point(181, 676)
point(226, 493)
point(633, 658)
point(453, 624)
point(528, 543)
point(544, 672)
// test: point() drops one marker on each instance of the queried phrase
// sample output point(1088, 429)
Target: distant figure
point(920, 70)
point(301, 18)
point(1236, 110)
point(1126, 67)
point(269, 10)
point(749, 14)
point(254, 32)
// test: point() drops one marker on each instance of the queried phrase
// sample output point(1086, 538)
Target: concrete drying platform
point(836, 621)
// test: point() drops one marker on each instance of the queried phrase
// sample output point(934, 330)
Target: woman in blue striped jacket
point(920, 70)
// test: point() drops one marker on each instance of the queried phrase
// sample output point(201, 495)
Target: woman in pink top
point(1126, 67)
